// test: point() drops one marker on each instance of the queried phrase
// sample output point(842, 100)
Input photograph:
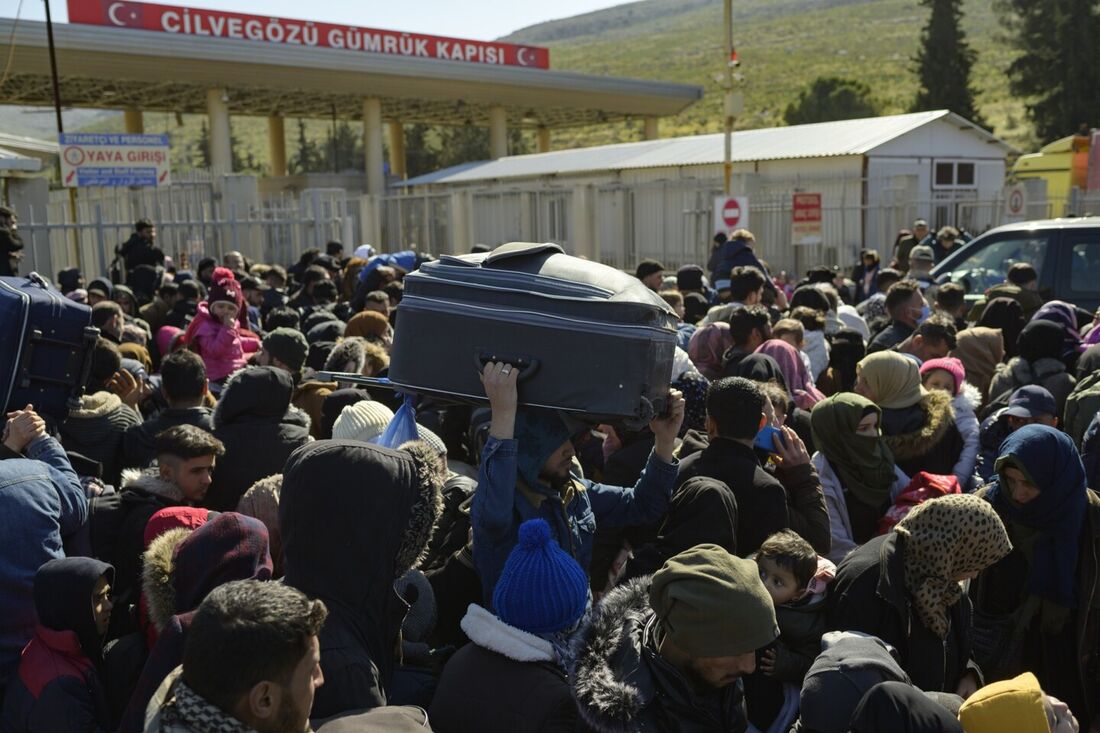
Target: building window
point(952, 174)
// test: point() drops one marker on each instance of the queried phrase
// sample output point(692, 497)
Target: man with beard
point(251, 657)
point(667, 652)
point(527, 473)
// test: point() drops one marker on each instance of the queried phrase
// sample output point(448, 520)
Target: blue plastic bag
point(402, 428)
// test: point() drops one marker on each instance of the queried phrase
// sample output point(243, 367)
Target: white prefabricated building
point(621, 203)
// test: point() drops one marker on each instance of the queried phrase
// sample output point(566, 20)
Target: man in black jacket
point(185, 463)
point(345, 545)
point(183, 383)
point(735, 413)
point(907, 308)
point(140, 248)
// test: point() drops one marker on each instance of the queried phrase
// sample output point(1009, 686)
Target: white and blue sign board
point(114, 159)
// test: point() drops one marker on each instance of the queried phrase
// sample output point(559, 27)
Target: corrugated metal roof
point(13, 161)
point(820, 140)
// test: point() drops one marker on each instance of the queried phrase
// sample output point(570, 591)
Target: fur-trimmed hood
point(489, 632)
point(970, 396)
point(611, 682)
point(355, 517)
point(183, 565)
point(938, 417)
point(348, 356)
point(156, 576)
point(1024, 372)
point(149, 481)
point(97, 404)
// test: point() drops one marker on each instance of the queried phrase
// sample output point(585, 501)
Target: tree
point(421, 153)
point(308, 159)
point(1058, 67)
point(944, 61)
point(347, 146)
point(202, 152)
point(831, 98)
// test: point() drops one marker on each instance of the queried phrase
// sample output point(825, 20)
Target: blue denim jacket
point(41, 504)
point(500, 506)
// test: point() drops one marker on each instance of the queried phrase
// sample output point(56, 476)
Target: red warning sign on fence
point(806, 219)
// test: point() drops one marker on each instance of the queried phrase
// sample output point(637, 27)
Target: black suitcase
point(588, 339)
point(46, 345)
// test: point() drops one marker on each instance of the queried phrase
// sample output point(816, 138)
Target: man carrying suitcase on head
point(526, 474)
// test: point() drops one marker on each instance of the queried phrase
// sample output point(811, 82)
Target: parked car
point(1065, 252)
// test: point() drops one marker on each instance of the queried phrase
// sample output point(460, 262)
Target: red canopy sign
point(219, 24)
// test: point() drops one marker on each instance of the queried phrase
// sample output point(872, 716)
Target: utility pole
point(61, 129)
point(732, 102)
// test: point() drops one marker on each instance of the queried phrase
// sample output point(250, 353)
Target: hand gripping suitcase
point(46, 345)
point(588, 339)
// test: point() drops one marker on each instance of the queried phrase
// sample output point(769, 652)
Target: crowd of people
point(866, 508)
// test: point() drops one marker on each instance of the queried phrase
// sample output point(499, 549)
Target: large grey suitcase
point(588, 339)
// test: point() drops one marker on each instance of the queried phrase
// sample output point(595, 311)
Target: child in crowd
point(949, 375)
point(215, 332)
point(797, 579)
point(794, 333)
point(60, 684)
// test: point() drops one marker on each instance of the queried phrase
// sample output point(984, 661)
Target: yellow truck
point(1063, 164)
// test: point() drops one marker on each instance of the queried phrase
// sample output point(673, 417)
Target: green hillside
point(783, 44)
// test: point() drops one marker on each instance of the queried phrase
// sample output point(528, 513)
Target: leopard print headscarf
point(944, 539)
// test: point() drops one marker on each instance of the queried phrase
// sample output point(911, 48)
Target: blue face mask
point(924, 313)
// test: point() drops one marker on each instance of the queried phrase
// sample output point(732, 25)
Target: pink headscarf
point(799, 383)
point(707, 347)
point(166, 337)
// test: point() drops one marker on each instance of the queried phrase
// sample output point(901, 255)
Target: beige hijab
point(944, 539)
point(894, 379)
point(980, 349)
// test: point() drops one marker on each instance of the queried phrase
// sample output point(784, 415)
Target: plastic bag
point(402, 428)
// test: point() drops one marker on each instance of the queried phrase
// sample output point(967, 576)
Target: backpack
point(1081, 407)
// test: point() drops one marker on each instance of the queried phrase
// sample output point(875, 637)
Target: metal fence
point(615, 223)
point(193, 219)
point(671, 220)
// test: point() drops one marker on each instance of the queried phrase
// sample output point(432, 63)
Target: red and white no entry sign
point(731, 213)
point(1016, 201)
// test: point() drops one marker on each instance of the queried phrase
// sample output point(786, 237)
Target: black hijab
point(1007, 315)
point(760, 368)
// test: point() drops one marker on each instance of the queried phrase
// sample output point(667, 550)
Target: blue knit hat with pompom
point(542, 589)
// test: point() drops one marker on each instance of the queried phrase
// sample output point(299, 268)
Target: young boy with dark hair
point(796, 578)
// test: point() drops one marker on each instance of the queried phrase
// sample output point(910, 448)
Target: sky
point(482, 20)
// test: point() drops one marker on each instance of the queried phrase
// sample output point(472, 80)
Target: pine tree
point(1058, 67)
point(203, 146)
point(307, 159)
point(944, 62)
point(421, 150)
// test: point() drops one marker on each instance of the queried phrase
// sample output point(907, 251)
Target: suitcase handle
point(519, 249)
point(526, 365)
